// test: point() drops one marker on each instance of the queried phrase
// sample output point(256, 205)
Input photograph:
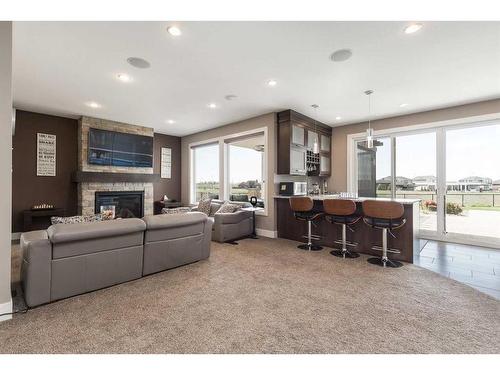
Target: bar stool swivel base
point(344, 254)
point(310, 247)
point(385, 262)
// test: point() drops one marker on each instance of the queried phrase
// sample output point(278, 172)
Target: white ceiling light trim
point(341, 55)
point(138, 62)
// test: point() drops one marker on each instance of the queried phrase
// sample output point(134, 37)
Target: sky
point(469, 152)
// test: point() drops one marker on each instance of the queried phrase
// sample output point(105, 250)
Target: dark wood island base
point(407, 236)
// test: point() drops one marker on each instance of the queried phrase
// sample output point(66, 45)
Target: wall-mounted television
point(119, 149)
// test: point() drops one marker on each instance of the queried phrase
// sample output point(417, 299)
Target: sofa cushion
point(204, 206)
point(166, 227)
point(87, 238)
point(59, 233)
point(214, 207)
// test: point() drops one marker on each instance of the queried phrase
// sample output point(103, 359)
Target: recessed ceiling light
point(272, 83)
point(137, 62)
point(403, 105)
point(341, 55)
point(174, 31)
point(93, 105)
point(212, 105)
point(123, 77)
point(338, 118)
point(170, 122)
point(413, 28)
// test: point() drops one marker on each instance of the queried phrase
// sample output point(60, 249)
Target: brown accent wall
point(27, 188)
point(167, 186)
point(338, 179)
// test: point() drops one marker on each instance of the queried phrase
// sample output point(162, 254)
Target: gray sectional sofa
point(70, 259)
point(228, 227)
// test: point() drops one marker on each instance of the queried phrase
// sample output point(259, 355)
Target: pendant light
point(315, 144)
point(369, 131)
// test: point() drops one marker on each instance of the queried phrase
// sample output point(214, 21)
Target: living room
point(196, 186)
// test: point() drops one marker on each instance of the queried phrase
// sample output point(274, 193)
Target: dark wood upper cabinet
point(296, 136)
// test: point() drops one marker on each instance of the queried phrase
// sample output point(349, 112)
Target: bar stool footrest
point(348, 243)
point(313, 237)
point(380, 248)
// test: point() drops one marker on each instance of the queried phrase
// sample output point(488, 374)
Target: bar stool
point(342, 212)
point(385, 215)
point(302, 208)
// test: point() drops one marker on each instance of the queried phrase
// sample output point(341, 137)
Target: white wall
point(5, 164)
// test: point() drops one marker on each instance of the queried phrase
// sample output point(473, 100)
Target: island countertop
point(321, 197)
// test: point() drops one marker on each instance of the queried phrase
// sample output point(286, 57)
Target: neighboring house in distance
point(402, 183)
point(496, 185)
point(475, 183)
point(425, 183)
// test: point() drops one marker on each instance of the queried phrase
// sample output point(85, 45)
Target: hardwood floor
point(478, 267)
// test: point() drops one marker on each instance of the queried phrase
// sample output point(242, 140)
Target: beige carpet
point(266, 296)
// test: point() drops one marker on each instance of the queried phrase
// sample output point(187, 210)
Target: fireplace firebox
point(126, 203)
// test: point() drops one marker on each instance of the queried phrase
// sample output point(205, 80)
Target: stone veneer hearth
point(87, 190)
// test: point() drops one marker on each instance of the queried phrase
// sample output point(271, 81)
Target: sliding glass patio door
point(453, 170)
point(472, 192)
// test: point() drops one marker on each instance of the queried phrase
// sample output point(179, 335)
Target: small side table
point(45, 216)
point(253, 210)
point(159, 205)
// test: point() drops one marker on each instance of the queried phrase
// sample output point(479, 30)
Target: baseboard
point(266, 233)
point(6, 308)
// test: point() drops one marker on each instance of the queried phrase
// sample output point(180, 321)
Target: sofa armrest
point(231, 218)
point(36, 267)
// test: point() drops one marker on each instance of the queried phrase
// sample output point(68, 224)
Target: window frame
point(223, 146)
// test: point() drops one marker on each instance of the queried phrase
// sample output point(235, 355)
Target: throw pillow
point(75, 219)
point(204, 206)
point(228, 208)
point(178, 210)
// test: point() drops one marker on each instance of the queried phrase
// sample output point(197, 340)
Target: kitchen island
point(407, 240)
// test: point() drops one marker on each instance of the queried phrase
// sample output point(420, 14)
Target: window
point(452, 169)
point(245, 159)
point(205, 172)
point(232, 167)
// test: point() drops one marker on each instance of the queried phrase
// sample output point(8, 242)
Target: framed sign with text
point(46, 154)
point(166, 162)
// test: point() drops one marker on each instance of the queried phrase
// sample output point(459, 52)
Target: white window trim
point(224, 188)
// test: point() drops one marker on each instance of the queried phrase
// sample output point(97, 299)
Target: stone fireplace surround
point(87, 190)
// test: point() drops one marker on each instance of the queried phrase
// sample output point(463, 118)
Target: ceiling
point(60, 66)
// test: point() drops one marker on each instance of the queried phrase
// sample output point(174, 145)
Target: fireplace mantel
point(80, 176)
